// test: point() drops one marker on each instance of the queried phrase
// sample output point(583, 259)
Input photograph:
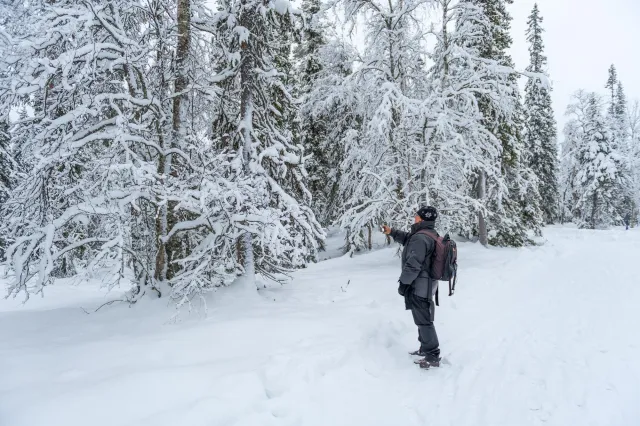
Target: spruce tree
point(281, 231)
point(596, 169)
point(540, 124)
point(509, 222)
point(5, 161)
point(612, 83)
point(623, 145)
point(460, 75)
point(621, 105)
point(599, 173)
point(6, 165)
point(616, 111)
point(633, 121)
point(331, 120)
point(618, 127)
point(323, 165)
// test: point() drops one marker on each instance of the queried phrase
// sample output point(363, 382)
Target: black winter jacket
point(416, 261)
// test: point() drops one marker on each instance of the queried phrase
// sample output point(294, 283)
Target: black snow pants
point(423, 314)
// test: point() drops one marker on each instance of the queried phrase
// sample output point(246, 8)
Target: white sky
point(583, 38)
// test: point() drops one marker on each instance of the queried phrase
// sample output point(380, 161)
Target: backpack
point(444, 260)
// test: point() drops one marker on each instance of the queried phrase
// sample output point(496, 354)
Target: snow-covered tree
point(633, 121)
point(323, 163)
point(331, 119)
point(380, 162)
point(568, 169)
point(596, 168)
point(612, 84)
point(512, 216)
point(6, 163)
point(616, 110)
point(97, 144)
point(127, 180)
point(281, 230)
point(621, 105)
point(461, 80)
point(617, 123)
point(540, 124)
point(418, 135)
point(6, 166)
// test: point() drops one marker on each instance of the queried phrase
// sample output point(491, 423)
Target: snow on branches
point(124, 177)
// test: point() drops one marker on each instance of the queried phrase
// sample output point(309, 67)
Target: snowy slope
point(545, 335)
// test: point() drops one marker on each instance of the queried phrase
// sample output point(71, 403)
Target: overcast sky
point(583, 38)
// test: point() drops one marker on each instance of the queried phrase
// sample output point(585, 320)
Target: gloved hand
point(403, 288)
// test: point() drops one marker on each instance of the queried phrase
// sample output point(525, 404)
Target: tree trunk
point(182, 53)
point(165, 218)
point(160, 274)
point(445, 43)
point(593, 211)
point(482, 225)
point(370, 238)
point(246, 120)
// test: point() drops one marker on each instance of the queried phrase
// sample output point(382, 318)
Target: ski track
point(536, 336)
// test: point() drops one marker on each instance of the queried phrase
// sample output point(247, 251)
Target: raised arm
point(399, 236)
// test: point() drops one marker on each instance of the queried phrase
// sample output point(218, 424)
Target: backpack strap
point(452, 288)
point(433, 234)
point(428, 232)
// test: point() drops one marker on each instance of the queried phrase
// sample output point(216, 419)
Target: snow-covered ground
point(543, 335)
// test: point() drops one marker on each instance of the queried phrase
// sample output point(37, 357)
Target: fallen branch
point(101, 306)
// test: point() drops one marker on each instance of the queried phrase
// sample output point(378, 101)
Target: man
point(627, 220)
point(415, 284)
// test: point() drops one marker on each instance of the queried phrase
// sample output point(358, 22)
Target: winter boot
point(428, 362)
point(418, 353)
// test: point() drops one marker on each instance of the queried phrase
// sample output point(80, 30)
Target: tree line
point(601, 158)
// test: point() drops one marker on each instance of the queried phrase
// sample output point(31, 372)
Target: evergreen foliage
point(595, 169)
point(540, 124)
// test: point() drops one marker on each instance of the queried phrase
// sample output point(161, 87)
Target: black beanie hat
point(427, 213)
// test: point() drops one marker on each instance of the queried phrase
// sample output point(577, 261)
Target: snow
point(541, 335)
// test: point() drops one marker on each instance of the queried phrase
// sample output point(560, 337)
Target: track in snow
point(544, 335)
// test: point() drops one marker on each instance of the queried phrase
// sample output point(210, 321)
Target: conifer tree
point(323, 165)
point(623, 145)
point(621, 102)
point(331, 120)
point(612, 83)
point(6, 165)
point(616, 111)
point(618, 126)
point(281, 230)
point(633, 121)
point(540, 125)
point(508, 223)
point(597, 169)
point(458, 77)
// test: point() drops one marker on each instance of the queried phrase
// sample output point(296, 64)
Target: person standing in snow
point(416, 286)
point(627, 220)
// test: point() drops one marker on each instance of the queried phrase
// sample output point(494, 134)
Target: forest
point(176, 146)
